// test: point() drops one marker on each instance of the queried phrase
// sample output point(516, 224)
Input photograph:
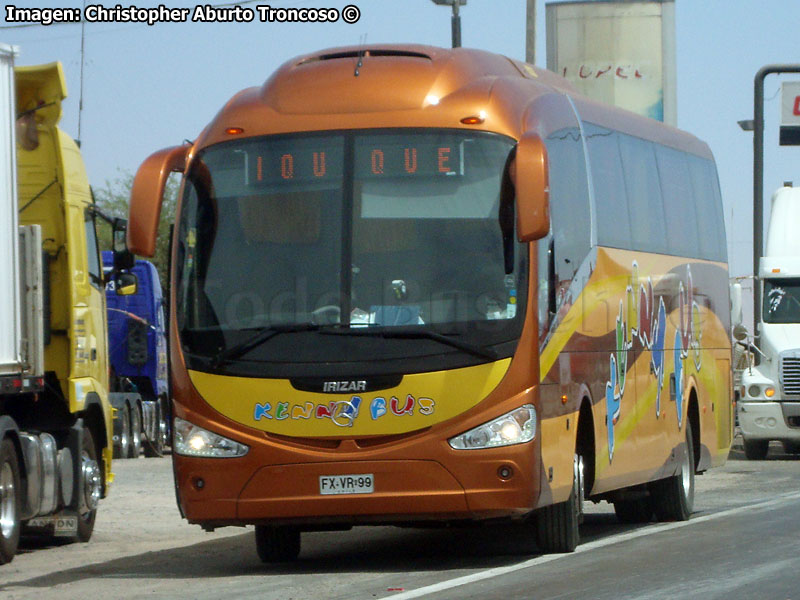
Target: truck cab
point(769, 405)
point(138, 355)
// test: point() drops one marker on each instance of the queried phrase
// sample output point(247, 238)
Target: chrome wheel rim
point(92, 484)
point(8, 501)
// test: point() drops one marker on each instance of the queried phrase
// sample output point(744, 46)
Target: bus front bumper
point(493, 486)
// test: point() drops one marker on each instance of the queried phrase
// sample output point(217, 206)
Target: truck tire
point(136, 432)
point(122, 446)
point(755, 449)
point(155, 448)
point(277, 544)
point(91, 488)
point(10, 501)
point(672, 498)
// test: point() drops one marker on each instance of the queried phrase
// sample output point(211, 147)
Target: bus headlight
point(515, 427)
point(191, 440)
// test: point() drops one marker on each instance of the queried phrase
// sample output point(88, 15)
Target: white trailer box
point(10, 322)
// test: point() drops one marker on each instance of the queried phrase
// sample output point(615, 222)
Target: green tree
point(114, 199)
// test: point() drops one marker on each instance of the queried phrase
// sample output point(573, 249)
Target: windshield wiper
point(259, 338)
point(412, 334)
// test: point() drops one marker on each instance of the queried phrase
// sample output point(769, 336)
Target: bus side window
point(570, 214)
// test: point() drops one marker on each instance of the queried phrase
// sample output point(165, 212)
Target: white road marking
point(588, 547)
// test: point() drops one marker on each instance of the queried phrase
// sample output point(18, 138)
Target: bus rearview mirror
point(147, 194)
point(532, 189)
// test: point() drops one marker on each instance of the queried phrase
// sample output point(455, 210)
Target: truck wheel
point(10, 500)
point(122, 445)
point(672, 498)
point(136, 432)
point(155, 447)
point(277, 544)
point(791, 447)
point(557, 525)
point(91, 488)
point(756, 449)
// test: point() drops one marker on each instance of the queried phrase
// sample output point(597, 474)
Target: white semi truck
point(769, 397)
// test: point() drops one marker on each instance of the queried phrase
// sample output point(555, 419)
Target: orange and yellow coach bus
point(414, 285)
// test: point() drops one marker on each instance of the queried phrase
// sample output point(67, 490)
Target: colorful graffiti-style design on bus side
point(643, 317)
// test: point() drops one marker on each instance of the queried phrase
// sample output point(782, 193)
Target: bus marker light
point(234, 131)
point(769, 392)
point(474, 119)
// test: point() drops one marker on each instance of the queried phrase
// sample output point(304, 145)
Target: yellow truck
point(55, 414)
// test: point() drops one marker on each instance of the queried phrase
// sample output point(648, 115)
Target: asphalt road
point(742, 542)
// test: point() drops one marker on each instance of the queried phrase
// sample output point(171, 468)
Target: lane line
point(589, 546)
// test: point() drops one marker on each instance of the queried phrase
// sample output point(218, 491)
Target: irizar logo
point(344, 386)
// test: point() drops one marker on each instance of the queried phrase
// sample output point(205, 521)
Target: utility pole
point(455, 20)
point(530, 33)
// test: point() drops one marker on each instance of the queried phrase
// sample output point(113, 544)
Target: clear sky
point(148, 87)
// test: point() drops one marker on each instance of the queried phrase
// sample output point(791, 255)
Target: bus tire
point(10, 500)
point(123, 444)
point(756, 449)
point(557, 526)
point(277, 544)
point(634, 511)
point(672, 499)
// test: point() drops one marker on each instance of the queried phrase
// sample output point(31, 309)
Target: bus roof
point(393, 85)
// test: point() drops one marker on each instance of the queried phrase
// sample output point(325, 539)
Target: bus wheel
point(756, 449)
point(634, 511)
point(277, 544)
point(122, 443)
point(557, 525)
point(10, 499)
point(672, 498)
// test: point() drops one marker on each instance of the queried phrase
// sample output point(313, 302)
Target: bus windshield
point(782, 301)
point(370, 230)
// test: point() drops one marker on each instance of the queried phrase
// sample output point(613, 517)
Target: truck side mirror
point(126, 284)
point(529, 173)
point(736, 304)
point(147, 194)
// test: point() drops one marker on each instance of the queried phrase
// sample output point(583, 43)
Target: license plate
point(346, 484)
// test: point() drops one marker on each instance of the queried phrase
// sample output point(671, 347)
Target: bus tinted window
point(569, 201)
point(679, 203)
point(610, 197)
point(644, 194)
point(709, 209)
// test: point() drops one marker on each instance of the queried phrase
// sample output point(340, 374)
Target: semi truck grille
point(790, 376)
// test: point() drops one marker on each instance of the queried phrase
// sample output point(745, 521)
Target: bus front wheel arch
point(557, 525)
